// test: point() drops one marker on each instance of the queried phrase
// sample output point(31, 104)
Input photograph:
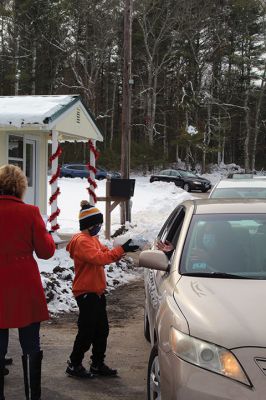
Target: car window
point(190, 174)
point(163, 172)
point(232, 244)
point(171, 229)
point(175, 173)
point(247, 193)
point(242, 176)
point(187, 174)
point(167, 223)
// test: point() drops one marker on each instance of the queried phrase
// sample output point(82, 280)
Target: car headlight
point(207, 355)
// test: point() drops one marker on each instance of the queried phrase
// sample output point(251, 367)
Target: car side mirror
point(154, 259)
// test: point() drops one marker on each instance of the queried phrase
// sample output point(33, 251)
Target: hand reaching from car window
point(166, 246)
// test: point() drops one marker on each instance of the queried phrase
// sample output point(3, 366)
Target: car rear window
point(248, 193)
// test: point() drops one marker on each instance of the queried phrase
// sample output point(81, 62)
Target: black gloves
point(127, 247)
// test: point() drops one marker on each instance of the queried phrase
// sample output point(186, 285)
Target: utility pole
point(126, 105)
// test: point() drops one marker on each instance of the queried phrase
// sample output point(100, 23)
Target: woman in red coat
point(22, 300)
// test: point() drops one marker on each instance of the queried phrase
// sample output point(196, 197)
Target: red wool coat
point(22, 231)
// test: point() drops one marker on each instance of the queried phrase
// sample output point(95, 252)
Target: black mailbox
point(122, 188)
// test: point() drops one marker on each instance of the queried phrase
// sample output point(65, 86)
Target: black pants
point(29, 338)
point(93, 329)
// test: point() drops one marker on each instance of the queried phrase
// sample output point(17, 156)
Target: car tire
point(153, 377)
point(186, 187)
point(147, 328)
point(205, 190)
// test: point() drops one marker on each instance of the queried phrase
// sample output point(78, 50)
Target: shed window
point(15, 146)
point(15, 150)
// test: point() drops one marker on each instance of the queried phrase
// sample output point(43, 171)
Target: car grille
point(261, 362)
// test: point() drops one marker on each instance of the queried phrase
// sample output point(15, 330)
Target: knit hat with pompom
point(89, 215)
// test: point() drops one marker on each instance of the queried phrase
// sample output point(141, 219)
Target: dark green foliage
point(195, 63)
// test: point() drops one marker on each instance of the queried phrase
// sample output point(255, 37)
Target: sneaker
point(102, 370)
point(78, 371)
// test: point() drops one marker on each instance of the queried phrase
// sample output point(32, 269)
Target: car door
point(176, 178)
point(163, 176)
point(168, 176)
point(155, 280)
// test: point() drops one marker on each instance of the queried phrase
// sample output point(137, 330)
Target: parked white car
point(235, 188)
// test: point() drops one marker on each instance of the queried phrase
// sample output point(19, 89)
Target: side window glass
point(163, 232)
point(171, 230)
point(175, 228)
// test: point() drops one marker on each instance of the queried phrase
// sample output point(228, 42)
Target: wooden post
point(126, 106)
point(108, 211)
point(111, 203)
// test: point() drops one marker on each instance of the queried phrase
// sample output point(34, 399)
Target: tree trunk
point(257, 123)
point(33, 70)
point(113, 114)
point(17, 71)
point(247, 138)
point(149, 107)
point(165, 139)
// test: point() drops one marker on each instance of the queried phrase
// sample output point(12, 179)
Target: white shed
point(27, 124)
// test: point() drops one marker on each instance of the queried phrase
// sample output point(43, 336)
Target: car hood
point(228, 312)
point(197, 178)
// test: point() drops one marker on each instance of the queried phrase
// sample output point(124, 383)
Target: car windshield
point(248, 193)
point(187, 174)
point(226, 246)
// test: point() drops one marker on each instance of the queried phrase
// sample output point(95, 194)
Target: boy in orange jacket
point(90, 257)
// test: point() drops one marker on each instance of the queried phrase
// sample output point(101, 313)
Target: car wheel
point(186, 187)
point(147, 328)
point(153, 378)
point(204, 190)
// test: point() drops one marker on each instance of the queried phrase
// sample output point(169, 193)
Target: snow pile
point(58, 282)
point(151, 205)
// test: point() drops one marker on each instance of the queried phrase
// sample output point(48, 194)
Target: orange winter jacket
point(90, 257)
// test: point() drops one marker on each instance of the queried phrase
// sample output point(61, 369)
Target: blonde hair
point(13, 181)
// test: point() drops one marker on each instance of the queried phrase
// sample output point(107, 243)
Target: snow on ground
point(151, 205)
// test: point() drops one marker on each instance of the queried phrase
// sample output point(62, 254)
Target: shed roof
point(45, 113)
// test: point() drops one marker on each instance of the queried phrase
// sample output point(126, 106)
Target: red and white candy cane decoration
point(55, 191)
point(94, 155)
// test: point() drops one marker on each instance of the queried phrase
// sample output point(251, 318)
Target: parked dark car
point(81, 171)
point(185, 179)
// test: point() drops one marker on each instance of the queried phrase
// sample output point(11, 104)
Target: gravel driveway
point(127, 351)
